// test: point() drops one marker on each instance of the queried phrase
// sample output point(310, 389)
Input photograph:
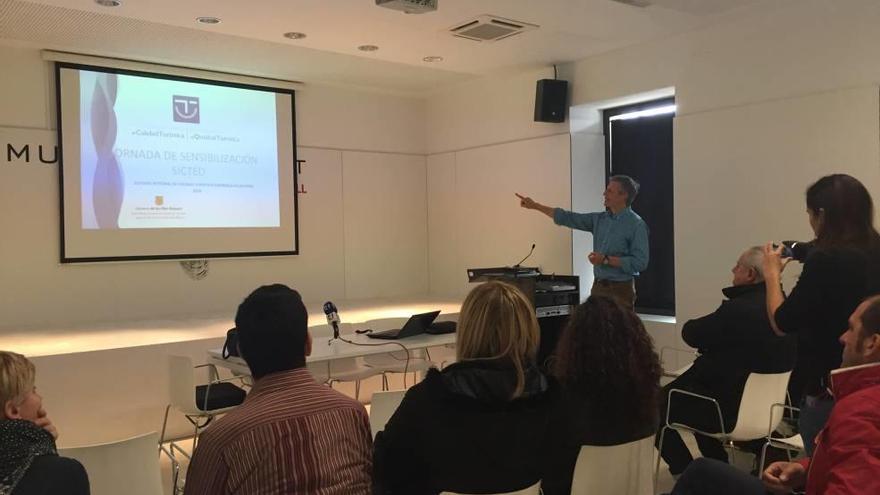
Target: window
point(638, 143)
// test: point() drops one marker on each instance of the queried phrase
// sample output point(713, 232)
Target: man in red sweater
point(847, 458)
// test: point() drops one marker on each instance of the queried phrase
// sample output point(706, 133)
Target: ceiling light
point(208, 20)
point(108, 3)
point(293, 35)
point(433, 58)
point(368, 48)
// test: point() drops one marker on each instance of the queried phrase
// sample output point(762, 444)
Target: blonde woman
point(29, 463)
point(479, 425)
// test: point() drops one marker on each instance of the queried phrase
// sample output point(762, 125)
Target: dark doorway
point(640, 145)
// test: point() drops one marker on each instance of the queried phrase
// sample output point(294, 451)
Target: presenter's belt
point(610, 283)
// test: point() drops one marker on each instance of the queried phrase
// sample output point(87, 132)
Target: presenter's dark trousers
point(710, 477)
point(624, 292)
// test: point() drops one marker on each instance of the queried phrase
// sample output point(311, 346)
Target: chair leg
point(195, 434)
point(659, 450)
point(164, 424)
point(764, 458)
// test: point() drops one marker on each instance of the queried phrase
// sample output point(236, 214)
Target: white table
point(325, 349)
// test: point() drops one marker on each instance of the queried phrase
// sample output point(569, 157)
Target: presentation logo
point(186, 109)
point(160, 200)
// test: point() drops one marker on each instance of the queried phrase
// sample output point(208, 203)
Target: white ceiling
point(249, 39)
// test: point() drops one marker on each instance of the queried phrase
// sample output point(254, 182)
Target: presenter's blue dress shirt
point(624, 234)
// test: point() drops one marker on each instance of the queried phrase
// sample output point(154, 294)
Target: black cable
point(405, 366)
point(554, 72)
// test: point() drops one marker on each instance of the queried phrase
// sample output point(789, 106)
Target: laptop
point(414, 326)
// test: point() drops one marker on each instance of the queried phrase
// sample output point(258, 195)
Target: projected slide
point(161, 153)
point(174, 166)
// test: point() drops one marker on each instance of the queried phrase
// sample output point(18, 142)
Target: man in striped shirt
point(291, 435)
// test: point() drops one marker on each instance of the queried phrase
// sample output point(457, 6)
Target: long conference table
point(327, 349)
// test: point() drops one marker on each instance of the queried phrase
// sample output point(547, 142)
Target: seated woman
point(29, 463)
point(479, 425)
point(610, 380)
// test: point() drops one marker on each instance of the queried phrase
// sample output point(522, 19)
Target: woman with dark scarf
point(480, 425)
point(29, 462)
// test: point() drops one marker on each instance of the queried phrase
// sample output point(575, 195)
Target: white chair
point(794, 443)
point(215, 398)
point(382, 407)
point(755, 412)
point(532, 490)
point(399, 362)
point(129, 466)
point(341, 370)
point(623, 469)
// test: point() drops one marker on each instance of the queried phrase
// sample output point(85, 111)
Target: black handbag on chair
point(230, 347)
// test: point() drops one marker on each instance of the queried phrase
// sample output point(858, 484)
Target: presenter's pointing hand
point(527, 202)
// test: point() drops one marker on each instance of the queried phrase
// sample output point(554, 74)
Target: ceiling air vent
point(489, 28)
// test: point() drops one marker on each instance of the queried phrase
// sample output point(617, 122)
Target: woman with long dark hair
point(842, 268)
point(609, 375)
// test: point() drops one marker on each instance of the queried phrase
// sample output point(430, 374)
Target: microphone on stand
point(527, 256)
point(332, 318)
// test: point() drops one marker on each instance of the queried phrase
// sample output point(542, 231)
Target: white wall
point(363, 150)
point(483, 146)
point(476, 220)
point(766, 105)
point(486, 111)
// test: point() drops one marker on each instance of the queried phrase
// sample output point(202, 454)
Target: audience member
point(29, 462)
point(479, 425)
point(291, 435)
point(609, 375)
point(733, 341)
point(842, 268)
point(846, 460)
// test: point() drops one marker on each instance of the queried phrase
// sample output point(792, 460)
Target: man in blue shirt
point(620, 238)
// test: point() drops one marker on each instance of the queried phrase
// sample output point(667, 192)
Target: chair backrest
point(625, 469)
point(181, 384)
point(762, 390)
point(382, 407)
point(532, 490)
point(129, 466)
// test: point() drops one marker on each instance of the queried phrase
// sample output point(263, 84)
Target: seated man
point(733, 341)
point(846, 459)
point(291, 435)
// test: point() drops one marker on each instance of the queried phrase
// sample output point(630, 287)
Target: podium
point(554, 298)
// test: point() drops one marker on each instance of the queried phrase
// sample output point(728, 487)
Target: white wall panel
point(491, 228)
point(385, 227)
point(445, 273)
point(741, 174)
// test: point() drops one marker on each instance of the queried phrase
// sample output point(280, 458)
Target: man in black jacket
point(733, 341)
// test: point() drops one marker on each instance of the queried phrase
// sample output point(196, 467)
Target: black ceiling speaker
point(551, 99)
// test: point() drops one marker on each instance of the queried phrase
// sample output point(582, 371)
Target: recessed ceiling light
point(368, 48)
point(108, 3)
point(294, 35)
point(208, 20)
point(433, 58)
